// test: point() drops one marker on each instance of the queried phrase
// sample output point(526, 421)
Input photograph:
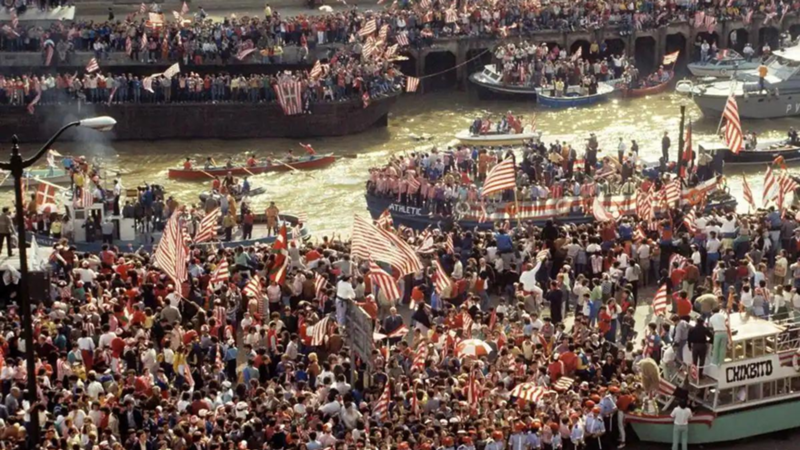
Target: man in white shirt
point(713, 246)
point(718, 323)
point(680, 434)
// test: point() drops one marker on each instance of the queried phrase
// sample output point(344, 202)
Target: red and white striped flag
point(316, 71)
point(671, 58)
point(412, 83)
point(207, 230)
point(253, 288)
point(144, 41)
point(177, 16)
point(382, 406)
point(290, 97)
point(172, 253)
point(786, 186)
point(563, 384)
point(319, 330)
point(672, 191)
point(466, 324)
point(383, 281)
point(748, 193)
point(448, 244)
point(769, 186)
point(733, 126)
point(473, 391)
point(400, 332)
point(383, 33)
point(402, 38)
point(128, 46)
point(320, 283)
point(413, 183)
point(142, 8)
point(660, 301)
point(425, 4)
point(441, 280)
point(365, 99)
point(92, 66)
point(420, 355)
point(644, 206)
point(368, 28)
point(450, 16)
point(369, 241)
point(502, 177)
point(220, 275)
point(385, 220)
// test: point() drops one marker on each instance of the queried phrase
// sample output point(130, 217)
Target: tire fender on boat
point(796, 360)
point(462, 208)
point(723, 72)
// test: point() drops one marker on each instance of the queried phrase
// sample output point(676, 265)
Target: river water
point(330, 197)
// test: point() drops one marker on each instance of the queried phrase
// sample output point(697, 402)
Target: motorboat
point(724, 66)
point(494, 139)
point(490, 81)
point(765, 151)
point(778, 97)
point(574, 97)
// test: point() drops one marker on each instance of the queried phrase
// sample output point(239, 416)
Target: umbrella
point(529, 391)
point(325, 8)
point(473, 347)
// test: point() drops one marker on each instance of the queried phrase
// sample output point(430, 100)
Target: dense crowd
point(193, 38)
point(237, 356)
point(346, 77)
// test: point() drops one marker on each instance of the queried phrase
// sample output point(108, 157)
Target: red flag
point(208, 226)
point(660, 301)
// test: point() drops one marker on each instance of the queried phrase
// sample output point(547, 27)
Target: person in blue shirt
point(595, 429)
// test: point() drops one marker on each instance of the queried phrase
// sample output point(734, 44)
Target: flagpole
point(681, 139)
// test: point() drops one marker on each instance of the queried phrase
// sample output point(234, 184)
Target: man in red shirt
point(683, 306)
point(677, 276)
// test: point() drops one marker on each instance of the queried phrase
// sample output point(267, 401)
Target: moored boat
point(488, 139)
point(649, 90)
point(754, 391)
point(490, 81)
point(728, 63)
point(31, 177)
point(236, 195)
point(303, 163)
point(764, 152)
point(573, 97)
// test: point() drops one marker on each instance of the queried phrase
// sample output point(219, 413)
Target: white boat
point(723, 66)
point(495, 138)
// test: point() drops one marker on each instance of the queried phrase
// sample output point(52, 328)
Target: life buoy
point(723, 72)
point(796, 360)
point(695, 197)
point(490, 209)
point(462, 209)
point(511, 210)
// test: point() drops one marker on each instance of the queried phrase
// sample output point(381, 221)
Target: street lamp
point(17, 165)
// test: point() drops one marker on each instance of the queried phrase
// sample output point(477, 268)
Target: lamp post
point(16, 166)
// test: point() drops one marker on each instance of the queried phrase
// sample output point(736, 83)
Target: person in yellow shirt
point(762, 73)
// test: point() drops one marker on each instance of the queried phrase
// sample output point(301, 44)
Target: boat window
point(725, 397)
point(783, 68)
point(769, 389)
point(784, 386)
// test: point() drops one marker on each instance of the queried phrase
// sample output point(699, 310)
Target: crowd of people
point(347, 77)
point(194, 38)
point(236, 356)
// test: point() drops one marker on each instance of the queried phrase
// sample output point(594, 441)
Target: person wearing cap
point(595, 429)
point(517, 441)
point(496, 442)
point(466, 444)
point(608, 411)
point(577, 434)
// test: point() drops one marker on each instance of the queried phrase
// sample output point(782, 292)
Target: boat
point(780, 98)
point(130, 238)
point(755, 391)
point(764, 152)
point(205, 120)
point(490, 85)
point(57, 176)
point(573, 97)
point(301, 163)
point(563, 210)
point(725, 65)
point(237, 195)
point(490, 139)
point(649, 90)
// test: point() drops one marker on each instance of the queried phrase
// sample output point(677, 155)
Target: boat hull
point(153, 121)
point(488, 140)
point(305, 163)
point(729, 426)
point(652, 90)
point(712, 70)
point(752, 106)
point(549, 101)
point(496, 91)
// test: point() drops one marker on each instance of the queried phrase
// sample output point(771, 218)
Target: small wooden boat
point(765, 151)
point(302, 163)
point(56, 176)
point(649, 90)
point(573, 97)
point(495, 139)
point(237, 195)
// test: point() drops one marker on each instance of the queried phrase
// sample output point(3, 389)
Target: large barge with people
point(153, 121)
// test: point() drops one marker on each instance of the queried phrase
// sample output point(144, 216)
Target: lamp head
point(102, 123)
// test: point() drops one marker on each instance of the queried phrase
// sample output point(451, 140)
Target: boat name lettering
point(790, 107)
point(410, 210)
point(748, 371)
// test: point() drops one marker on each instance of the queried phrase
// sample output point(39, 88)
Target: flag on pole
point(207, 230)
point(142, 8)
point(290, 97)
point(253, 288)
point(689, 220)
point(46, 194)
point(660, 301)
point(441, 280)
point(281, 263)
point(172, 70)
point(382, 406)
point(369, 28)
point(172, 253)
point(748, 193)
point(144, 41)
point(733, 126)
point(184, 9)
point(769, 186)
point(420, 355)
point(500, 178)
point(14, 19)
point(128, 46)
point(92, 66)
point(671, 58)
point(412, 84)
point(402, 38)
point(220, 275)
point(370, 241)
point(319, 331)
point(316, 71)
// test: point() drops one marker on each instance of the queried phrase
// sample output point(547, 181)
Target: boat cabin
point(761, 366)
point(490, 75)
point(93, 217)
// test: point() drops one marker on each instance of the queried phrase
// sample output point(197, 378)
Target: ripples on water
point(331, 196)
